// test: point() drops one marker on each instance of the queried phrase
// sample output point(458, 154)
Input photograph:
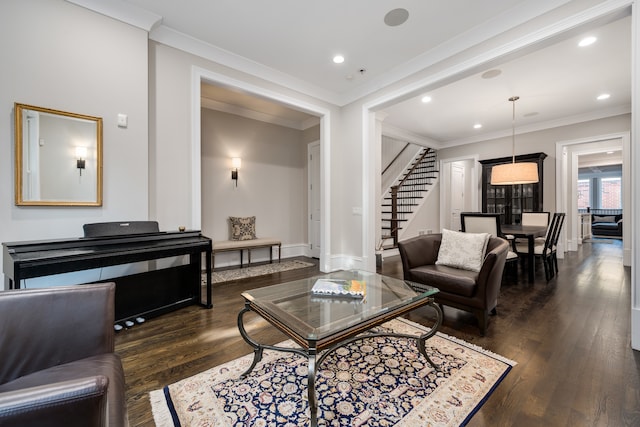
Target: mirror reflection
point(58, 158)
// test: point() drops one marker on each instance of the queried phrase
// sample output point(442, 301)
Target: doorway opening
point(568, 154)
point(200, 76)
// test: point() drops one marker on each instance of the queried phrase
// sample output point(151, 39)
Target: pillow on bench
point(243, 228)
point(462, 250)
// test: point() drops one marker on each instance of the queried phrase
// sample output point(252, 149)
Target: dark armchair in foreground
point(58, 366)
point(476, 292)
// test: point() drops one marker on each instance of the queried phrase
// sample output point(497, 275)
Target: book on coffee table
point(340, 288)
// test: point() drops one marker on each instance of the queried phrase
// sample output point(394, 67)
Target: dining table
point(529, 232)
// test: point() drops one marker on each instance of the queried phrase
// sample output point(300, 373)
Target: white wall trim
point(196, 151)
point(200, 74)
point(350, 262)
point(170, 37)
point(310, 239)
point(404, 135)
point(371, 149)
point(125, 12)
point(212, 104)
point(635, 180)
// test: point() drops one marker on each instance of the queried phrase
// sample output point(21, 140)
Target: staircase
point(405, 195)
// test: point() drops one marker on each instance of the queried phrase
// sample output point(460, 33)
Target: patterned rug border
point(460, 341)
point(257, 270)
point(163, 410)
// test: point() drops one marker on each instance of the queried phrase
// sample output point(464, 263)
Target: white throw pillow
point(462, 250)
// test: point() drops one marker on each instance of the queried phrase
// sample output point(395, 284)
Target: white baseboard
point(346, 262)
point(390, 252)
point(635, 328)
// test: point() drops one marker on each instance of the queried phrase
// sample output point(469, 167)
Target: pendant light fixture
point(514, 173)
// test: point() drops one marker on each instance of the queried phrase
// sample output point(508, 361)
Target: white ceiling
point(557, 85)
point(296, 40)
point(291, 42)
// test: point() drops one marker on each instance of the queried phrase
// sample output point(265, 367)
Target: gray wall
point(58, 55)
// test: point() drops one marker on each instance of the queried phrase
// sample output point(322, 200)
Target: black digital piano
point(144, 294)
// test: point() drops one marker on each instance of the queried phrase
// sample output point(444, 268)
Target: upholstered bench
point(249, 245)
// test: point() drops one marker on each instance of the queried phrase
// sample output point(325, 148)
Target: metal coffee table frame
point(316, 350)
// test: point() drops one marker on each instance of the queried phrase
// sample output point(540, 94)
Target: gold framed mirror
point(58, 158)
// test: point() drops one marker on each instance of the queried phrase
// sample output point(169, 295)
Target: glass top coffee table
point(319, 322)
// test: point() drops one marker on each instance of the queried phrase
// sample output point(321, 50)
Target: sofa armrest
point(420, 250)
point(79, 402)
point(490, 275)
point(41, 328)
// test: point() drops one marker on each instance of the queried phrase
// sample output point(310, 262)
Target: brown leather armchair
point(476, 292)
point(57, 360)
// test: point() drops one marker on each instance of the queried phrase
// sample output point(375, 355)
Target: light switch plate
point(122, 120)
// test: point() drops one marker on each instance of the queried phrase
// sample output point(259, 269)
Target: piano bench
point(241, 245)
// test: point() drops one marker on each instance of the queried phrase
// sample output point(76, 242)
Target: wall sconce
point(235, 163)
point(81, 154)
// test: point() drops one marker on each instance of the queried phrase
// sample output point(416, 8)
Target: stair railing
point(395, 158)
point(394, 197)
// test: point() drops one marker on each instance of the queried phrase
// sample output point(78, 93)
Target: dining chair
point(536, 219)
point(546, 250)
point(554, 247)
point(480, 222)
point(539, 219)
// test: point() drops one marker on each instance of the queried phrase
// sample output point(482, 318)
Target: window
point(600, 187)
point(611, 193)
point(584, 193)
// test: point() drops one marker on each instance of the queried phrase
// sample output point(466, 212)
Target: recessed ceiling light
point(609, 152)
point(477, 126)
point(587, 41)
point(396, 17)
point(491, 74)
point(603, 96)
point(338, 59)
point(426, 99)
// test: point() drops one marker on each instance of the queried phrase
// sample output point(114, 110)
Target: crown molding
point(310, 122)
point(540, 126)
point(255, 115)
point(170, 37)
point(404, 135)
point(124, 12)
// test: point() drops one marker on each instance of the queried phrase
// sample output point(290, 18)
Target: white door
point(457, 195)
point(313, 151)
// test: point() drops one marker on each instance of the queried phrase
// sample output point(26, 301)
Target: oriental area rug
point(377, 381)
point(258, 270)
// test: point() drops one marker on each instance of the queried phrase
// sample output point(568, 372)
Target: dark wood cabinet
point(512, 200)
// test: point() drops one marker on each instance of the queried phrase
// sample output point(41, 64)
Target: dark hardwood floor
point(570, 338)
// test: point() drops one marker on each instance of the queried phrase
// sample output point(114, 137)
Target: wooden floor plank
point(570, 337)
